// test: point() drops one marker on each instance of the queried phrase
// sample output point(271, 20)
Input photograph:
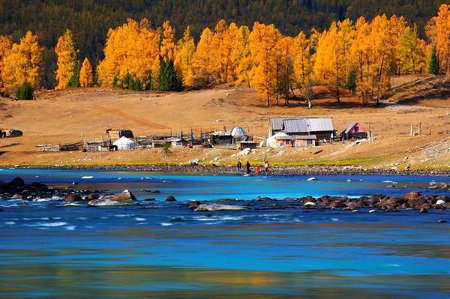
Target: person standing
point(239, 166)
point(266, 167)
point(248, 167)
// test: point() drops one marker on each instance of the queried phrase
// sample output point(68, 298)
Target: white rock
point(440, 202)
point(218, 207)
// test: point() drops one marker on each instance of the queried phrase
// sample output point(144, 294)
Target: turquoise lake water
point(165, 250)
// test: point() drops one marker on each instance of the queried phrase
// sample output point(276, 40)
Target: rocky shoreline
point(231, 170)
point(18, 190)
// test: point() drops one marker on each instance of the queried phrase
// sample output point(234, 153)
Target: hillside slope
point(84, 114)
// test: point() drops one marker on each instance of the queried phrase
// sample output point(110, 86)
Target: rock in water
point(171, 198)
point(411, 195)
point(106, 202)
point(120, 199)
point(72, 197)
point(16, 183)
point(194, 204)
point(218, 207)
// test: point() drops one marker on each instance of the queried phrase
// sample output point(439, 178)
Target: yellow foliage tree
point(411, 52)
point(168, 48)
point(438, 31)
point(332, 60)
point(86, 74)
point(203, 62)
point(241, 57)
point(263, 42)
point(303, 65)
point(5, 49)
point(184, 58)
point(23, 64)
point(67, 59)
point(131, 52)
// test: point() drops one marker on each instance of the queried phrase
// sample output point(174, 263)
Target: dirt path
point(138, 120)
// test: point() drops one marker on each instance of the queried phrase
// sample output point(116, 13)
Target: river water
point(164, 250)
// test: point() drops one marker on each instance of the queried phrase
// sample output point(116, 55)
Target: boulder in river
point(16, 183)
point(119, 199)
point(72, 197)
point(212, 207)
point(171, 198)
point(411, 195)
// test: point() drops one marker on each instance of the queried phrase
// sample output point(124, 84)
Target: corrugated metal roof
point(276, 123)
point(320, 124)
point(299, 125)
point(350, 126)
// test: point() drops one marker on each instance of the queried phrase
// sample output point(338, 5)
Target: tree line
point(359, 56)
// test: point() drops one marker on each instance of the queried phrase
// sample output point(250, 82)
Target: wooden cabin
point(321, 128)
point(354, 131)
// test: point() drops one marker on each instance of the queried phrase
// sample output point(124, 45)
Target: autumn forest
point(359, 56)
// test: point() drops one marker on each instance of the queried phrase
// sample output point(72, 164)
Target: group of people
point(258, 169)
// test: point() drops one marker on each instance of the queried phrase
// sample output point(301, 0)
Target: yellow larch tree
point(67, 59)
point(332, 59)
point(5, 49)
point(285, 67)
point(203, 62)
point(411, 52)
point(86, 74)
point(168, 47)
point(184, 57)
point(263, 42)
point(241, 57)
point(438, 31)
point(131, 54)
point(23, 64)
point(303, 65)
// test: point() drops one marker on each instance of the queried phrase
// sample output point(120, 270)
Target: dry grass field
point(84, 114)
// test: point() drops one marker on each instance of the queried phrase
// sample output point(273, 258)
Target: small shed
point(118, 133)
point(125, 144)
point(305, 141)
point(247, 144)
point(354, 130)
point(221, 138)
point(178, 142)
point(280, 139)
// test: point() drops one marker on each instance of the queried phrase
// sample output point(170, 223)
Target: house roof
point(307, 125)
point(320, 124)
point(350, 126)
point(277, 123)
point(299, 125)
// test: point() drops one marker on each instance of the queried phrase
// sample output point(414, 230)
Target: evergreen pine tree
point(168, 79)
point(350, 83)
point(25, 92)
point(433, 63)
point(75, 80)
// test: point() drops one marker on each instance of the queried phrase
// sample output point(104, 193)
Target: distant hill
point(90, 19)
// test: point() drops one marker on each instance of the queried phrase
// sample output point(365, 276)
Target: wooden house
point(354, 131)
point(321, 128)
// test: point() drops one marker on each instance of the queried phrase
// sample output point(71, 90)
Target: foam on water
point(47, 224)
